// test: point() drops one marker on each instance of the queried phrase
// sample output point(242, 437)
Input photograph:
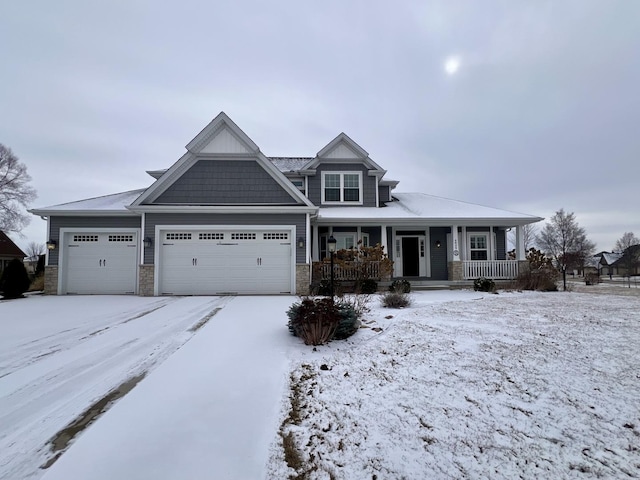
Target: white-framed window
point(478, 246)
point(342, 187)
point(344, 241)
point(298, 183)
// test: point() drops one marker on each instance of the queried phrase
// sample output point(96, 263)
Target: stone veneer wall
point(51, 280)
point(145, 283)
point(303, 278)
point(455, 271)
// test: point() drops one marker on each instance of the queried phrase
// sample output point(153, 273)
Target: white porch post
point(456, 272)
point(383, 239)
point(491, 255)
point(315, 253)
point(520, 253)
point(455, 244)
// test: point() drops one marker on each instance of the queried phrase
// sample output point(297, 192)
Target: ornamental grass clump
point(396, 300)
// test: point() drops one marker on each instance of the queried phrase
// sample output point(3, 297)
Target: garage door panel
point(226, 261)
point(100, 263)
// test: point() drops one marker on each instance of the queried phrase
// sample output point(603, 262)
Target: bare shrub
point(396, 300)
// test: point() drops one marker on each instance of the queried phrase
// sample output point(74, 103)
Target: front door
point(410, 257)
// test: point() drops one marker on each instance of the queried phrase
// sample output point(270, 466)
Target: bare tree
point(15, 192)
point(629, 246)
point(627, 240)
point(34, 250)
point(529, 233)
point(565, 242)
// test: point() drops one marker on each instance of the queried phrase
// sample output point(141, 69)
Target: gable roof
point(342, 148)
point(220, 138)
point(8, 248)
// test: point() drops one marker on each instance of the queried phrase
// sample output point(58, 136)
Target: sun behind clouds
point(451, 65)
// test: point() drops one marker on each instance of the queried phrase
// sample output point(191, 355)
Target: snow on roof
point(420, 206)
point(115, 202)
point(289, 164)
point(611, 258)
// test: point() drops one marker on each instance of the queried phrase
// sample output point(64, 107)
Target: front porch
point(463, 270)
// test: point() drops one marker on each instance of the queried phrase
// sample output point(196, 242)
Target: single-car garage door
point(223, 261)
point(99, 262)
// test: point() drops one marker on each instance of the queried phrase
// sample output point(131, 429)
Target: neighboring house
point(609, 263)
point(8, 251)
point(225, 218)
point(628, 263)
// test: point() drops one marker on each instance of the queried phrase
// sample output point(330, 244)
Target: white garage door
point(212, 262)
point(102, 263)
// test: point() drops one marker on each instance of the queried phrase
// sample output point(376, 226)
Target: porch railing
point(495, 269)
point(346, 271)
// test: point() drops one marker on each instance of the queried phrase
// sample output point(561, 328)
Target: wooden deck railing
point(494, 269)
point(346, 271)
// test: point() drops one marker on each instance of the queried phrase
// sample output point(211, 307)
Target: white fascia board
point(282, 180)
point(224, 209)
point(377, 173)
point(84, 213)
point(429, 222)
point(212, 128)
point(342, 137)
point(172, 174)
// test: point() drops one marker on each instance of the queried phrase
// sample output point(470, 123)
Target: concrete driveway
point(209, 411)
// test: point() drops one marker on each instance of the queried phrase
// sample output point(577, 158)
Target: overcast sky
point(538, 110)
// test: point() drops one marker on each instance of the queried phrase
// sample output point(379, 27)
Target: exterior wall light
point(300, 242)
point(147, 242)
point(438, 244)
point(51, 244)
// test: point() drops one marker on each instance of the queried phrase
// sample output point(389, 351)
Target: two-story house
point(225, 218)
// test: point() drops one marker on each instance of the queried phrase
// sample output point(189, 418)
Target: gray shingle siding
point(56, 223)
point(153, 219)
point(218, 182)
point(368, 183)
point(383, 193)
point(439, 255)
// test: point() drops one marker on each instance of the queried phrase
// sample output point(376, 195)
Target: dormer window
point(342, 187)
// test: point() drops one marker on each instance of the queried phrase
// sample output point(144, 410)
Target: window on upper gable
point(342, 187)
point(299, 184)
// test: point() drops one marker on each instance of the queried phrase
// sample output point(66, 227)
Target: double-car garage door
point(225, 261)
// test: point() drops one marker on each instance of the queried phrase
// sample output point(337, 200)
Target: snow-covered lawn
point(59, 355)
point(459, 385)
point(515, 385)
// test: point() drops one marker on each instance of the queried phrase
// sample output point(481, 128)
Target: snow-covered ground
point(516, 385)
point(59, 355)
point(459, 385)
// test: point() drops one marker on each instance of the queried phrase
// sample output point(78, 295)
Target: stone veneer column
point(51, 280)
point(523, 266)
point(303, 278)
point(455, 271)
point(145, 283)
